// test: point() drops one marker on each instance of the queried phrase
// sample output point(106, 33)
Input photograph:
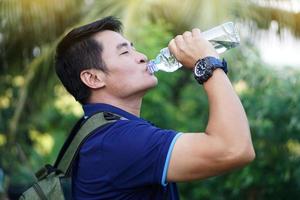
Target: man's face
point(127, 70)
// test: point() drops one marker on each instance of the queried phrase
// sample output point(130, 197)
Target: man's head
point(79, 51)
point(97, 57)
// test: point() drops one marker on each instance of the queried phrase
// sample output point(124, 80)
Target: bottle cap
point(152, 67)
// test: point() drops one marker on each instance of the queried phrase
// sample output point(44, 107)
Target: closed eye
point(125, 52)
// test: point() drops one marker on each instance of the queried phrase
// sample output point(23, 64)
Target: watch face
point(200, 69)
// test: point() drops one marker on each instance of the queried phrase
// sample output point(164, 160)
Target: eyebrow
point(124, 44)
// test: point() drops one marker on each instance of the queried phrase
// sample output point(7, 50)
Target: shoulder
point(130, 133)
point(140, 128)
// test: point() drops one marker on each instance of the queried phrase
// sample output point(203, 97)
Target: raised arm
point(226, 143)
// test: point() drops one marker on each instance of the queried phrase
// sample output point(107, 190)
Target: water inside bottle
point(221, 45)
point(166, 61)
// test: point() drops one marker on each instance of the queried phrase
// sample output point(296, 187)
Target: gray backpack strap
point(90, 125)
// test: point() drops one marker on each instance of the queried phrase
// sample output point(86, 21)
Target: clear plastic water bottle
point(222, 37)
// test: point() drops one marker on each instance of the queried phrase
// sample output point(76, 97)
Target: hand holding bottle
point(189, 47)
point(222, 37)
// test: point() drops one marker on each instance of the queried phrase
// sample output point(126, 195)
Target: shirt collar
point(92, 108)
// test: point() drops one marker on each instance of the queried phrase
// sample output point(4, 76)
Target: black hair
point(79, 51)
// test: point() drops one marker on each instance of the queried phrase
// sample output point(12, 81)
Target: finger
point(196, 32)
point(187, 34)
point(179, 41)
point(172, 47)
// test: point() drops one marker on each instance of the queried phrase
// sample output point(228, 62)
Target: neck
point(131, 104)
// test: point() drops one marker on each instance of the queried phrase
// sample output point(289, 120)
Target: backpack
point(54, 182)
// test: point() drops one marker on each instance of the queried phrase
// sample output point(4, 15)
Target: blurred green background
point(36, 113)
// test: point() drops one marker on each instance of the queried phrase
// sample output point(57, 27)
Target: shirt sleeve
point(140, 153)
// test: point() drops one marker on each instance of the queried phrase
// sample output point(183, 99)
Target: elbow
point(245, 155)
point(240, 153)
point(244, 150)
point(249, 155)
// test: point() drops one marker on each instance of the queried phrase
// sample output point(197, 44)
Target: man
point(131, 158)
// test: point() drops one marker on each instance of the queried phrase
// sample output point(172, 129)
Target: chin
point(154, 82)
point(151, 85)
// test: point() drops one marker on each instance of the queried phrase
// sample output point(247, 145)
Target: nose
point(141, 58)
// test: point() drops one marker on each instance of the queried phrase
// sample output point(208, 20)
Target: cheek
point(120, 84)
point(127, 81)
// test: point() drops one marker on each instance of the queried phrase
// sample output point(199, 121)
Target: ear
point(93, 78)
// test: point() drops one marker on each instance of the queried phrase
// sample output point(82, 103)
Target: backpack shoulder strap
point(68, 140)
point(89, 126)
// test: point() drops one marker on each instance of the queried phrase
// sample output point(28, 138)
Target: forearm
point(227, 118)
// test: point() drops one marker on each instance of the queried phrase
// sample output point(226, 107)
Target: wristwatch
point(204, 68)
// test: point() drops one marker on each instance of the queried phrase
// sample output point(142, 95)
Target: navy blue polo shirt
point(127, 159)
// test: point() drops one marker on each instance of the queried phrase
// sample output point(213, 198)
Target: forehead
point(109, 39)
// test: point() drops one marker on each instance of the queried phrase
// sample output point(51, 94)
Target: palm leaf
point(260, 16)
point(26, 24)
point(28, 31)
